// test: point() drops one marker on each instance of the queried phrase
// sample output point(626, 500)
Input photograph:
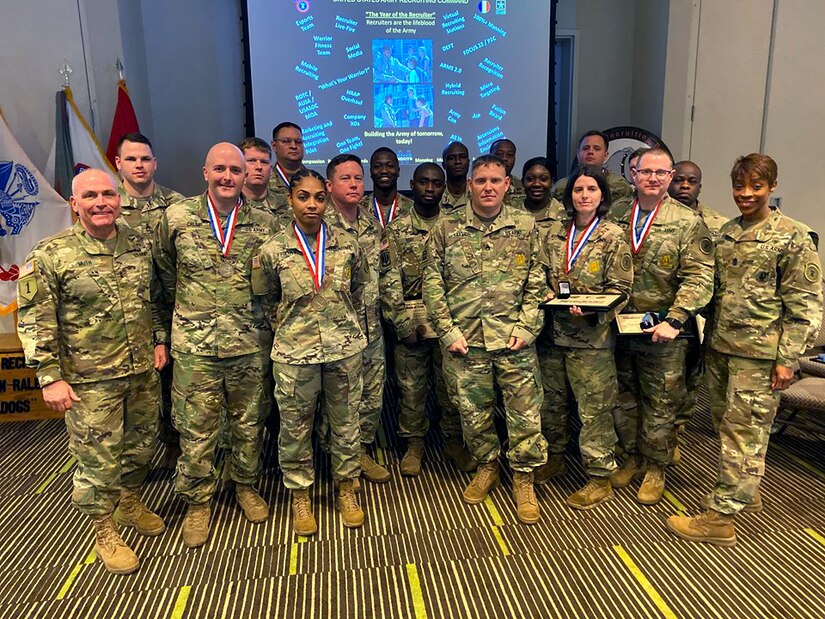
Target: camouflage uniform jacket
point(143, 214)
point(768, 290)
point(713, 220)
point(312, 326)
point(215, 314)
point(673, 270)
point(86, 312)
point(449, 202)
point(620, 189)
point(515, 194)
point(367, 232)
point(484, 281)
point(604, 266)
point(402, 252)
point(404, 206)
point(275, 204)
point(546, 217)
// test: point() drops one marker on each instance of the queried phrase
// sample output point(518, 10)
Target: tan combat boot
point(303, 521)
point(653, 486)
point(630, 470)
point(527, 507)
point(455, 452)
point(131, 512)
point(485, 480)
point(596, 491)
point(196, 525)
point(112, 550)
point(710, 527)
point(411, 462)
point(351, 513)
point(556, 466)
point(254, 507)
point(371, 470)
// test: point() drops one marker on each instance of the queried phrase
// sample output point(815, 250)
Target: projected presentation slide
point(412, 75)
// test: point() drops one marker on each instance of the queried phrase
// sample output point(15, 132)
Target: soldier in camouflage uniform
point(345, 186)
point(768, 303)
point(317, 346)
point(685, 187)
point(417, 353)
point(93, 329)
point(256, 188)
point(142, 202)
point(385, 203)
point(591, 256)
point(537, 198)
point(456, 164)
point(593, 151)
point(673, 277)
point(482, 286)
point(220, 336)
point(288, 146)
point(505, 150)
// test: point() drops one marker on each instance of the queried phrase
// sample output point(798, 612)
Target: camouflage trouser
point(202, 385)
point(372, 395)
point(651, 389)
point(592, 375)
point(297, 392)
point(470, 381)
point(167, 432)
point(413, 367)
point(743, 406)
point(694, 377)
point(112, 432)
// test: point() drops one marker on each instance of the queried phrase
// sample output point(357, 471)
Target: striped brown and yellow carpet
point(423, 552)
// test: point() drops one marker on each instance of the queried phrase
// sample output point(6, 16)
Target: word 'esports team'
point(279, 282)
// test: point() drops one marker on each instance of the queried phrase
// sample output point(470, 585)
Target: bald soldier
point(93, 330)
point(220, 336)
point(593, 151)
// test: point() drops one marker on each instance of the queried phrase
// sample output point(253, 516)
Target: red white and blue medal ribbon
point(227, 233)
point(282, 175)
point(379, 212)
point(573, 248)
point(638, 236)
point(316, 260)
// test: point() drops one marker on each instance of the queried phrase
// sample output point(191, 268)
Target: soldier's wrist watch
point(675, 323)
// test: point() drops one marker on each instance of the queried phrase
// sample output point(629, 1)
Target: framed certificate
point(417, 313)
point(630, 324)
point(587, 302)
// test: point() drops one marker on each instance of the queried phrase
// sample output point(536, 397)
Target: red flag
point(124, 121)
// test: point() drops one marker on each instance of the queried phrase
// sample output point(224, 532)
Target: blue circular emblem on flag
point(302, 6)
point(18, 188)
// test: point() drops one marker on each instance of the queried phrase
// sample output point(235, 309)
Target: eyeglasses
point(288, 141)
point(660, 174)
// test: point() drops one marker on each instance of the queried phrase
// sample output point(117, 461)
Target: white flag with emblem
point(30, 210)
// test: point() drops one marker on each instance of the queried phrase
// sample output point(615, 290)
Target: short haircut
point(638, 152)
point(255, 143)
point(593, 132)
point(542, 161)
point(450, 145)
point(303, 173)
point(495, 144)
point(596, 174)
point(483, 160)
point(657, 150)
point(284, 125)
point(341, 159)
point(135, 137)
point(425, 165)
point(383, 149)
point(755, 165)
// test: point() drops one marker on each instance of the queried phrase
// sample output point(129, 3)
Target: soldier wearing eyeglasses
point(288, 146)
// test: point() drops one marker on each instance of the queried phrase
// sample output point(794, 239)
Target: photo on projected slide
point(410, 76)
point(402, 61)
point(401, 105)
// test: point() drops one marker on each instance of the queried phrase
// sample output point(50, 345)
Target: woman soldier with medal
point(584, 255)
point(312, 276)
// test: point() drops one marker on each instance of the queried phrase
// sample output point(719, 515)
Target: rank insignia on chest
point(593, 266)
point(520, 260)
point(666, 262)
